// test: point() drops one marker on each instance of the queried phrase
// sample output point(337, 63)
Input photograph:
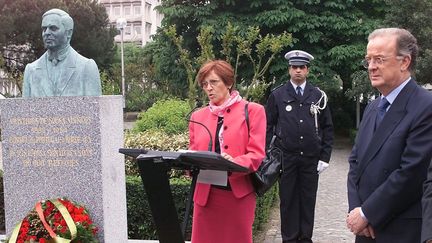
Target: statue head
point(57, 29)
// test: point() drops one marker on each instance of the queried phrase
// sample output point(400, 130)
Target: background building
point(142, 19)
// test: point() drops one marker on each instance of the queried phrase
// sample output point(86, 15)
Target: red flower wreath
point(33, 229)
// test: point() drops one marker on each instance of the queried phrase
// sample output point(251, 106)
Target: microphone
point(198, 105)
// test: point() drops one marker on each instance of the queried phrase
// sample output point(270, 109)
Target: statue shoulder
point(38, 63)
point(76, 55)
point(82, 60)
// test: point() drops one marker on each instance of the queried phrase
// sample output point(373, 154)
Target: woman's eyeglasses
point(212, 82)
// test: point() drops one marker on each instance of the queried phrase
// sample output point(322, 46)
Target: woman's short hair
point(221, 68)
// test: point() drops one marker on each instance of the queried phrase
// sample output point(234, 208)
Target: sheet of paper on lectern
point(214, 177)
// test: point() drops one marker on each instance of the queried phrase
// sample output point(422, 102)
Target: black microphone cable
point(199, 104)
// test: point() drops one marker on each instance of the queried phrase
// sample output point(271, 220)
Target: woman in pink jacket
point(226, 213)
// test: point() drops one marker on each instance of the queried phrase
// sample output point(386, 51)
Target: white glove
point(321, 166)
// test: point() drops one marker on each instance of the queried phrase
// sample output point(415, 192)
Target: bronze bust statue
point(60, 71)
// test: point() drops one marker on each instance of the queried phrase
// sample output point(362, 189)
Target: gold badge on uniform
point(288, 108)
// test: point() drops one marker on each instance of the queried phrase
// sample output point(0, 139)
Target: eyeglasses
point(376, 60)
point(212, 82)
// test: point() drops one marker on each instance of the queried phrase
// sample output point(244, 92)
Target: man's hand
point(371, 231)
point(355, 222)
point(321, 166)
point(368, 232)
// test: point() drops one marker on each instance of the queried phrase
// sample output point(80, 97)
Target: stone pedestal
point(65, 147)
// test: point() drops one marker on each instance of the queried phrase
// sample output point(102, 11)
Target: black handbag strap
point(247, 123)
point(247, 116)
point(273, 138)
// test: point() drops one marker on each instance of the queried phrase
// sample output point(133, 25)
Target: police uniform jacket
point(290, 118)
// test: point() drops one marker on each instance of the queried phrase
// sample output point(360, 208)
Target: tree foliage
point(142, 87)
point(258, 52)
point(361, 89)
point(163, 59)
point(333, 31)
point(21, 34)
point(415, 16)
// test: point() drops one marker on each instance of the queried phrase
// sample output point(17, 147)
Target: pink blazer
point(247, 150)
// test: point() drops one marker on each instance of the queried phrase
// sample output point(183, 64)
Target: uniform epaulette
point(277, 87)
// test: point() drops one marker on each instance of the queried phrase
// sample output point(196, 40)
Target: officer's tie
point(382, 108)
point(299, 91)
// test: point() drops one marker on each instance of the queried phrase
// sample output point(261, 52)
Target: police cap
point(298, 58)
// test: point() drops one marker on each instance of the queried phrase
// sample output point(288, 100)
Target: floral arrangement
point(57, 220)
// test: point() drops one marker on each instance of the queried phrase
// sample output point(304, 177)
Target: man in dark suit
point(427, 208)
point(393, 147)
point(297, 113)
point(60, 71)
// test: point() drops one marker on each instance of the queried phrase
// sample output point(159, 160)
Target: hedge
point(140, 222)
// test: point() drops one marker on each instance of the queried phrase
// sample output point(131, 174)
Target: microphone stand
point(194, 172)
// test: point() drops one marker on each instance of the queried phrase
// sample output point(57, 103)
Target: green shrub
point(352, 135)
point(342, 121)
point(153, 140)
point(166, 115)
point(263, 208)
point(138, 99)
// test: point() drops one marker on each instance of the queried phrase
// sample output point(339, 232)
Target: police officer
point(297, 113)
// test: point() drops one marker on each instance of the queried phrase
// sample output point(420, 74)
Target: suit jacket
point(427, 207)
point(247, 150)
point(388, 166)
point(80, 77)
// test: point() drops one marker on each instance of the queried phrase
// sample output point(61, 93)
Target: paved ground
point(331, 204)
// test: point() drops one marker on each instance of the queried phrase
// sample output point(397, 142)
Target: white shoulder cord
point(315, 109)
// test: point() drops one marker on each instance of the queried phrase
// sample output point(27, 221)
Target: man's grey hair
point(406, 43)
point(66, 19)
